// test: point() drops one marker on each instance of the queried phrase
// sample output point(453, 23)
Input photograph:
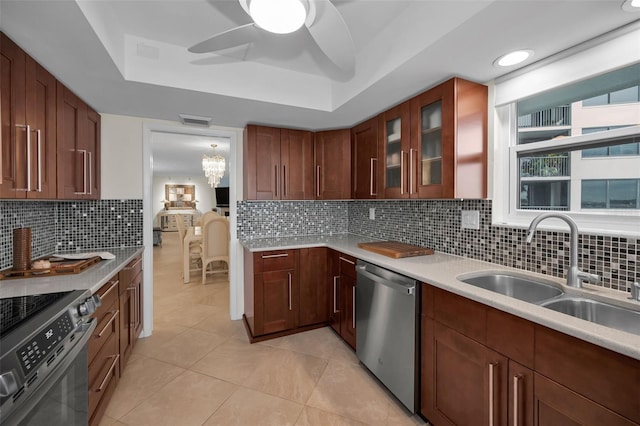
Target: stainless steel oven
point(43, 358)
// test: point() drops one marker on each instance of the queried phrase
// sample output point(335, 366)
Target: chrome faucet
point(575, 276)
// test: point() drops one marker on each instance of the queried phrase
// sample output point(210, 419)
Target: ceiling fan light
point(280, 16)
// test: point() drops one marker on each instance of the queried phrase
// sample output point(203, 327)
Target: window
point(610, 193)
point(624, 96)
point(612, 151)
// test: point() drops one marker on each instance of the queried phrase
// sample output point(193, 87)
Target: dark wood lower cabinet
point(276, 292)
point(334, 290)
point(314, 286)
point(520, 402)
point(347, 309)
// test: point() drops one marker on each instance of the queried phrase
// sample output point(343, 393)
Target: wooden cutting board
point(395, 249)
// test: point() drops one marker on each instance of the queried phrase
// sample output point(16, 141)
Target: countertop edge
point(445, 278)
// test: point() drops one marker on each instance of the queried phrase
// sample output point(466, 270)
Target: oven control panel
point(42, 345)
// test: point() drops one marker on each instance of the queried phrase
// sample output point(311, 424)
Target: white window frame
point(612, 51)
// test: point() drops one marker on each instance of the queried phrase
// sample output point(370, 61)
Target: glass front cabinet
point(435, 145)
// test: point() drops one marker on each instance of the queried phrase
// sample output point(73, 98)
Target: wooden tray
point(395, 249)
point(58, 267)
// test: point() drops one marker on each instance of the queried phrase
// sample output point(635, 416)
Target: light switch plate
point(470, 219)
point(372, 213)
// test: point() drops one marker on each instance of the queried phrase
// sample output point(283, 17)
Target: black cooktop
point(15, 310)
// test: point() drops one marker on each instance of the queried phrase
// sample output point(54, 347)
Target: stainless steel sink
point(597, 312)
point(526, 289)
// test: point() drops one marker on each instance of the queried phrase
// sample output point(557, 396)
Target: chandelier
point(213, 167)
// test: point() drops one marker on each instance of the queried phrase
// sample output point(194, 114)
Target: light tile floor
point(198, 367)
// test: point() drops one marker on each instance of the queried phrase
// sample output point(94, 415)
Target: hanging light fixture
point(213, 167)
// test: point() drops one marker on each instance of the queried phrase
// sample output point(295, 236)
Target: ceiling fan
point(321, 18)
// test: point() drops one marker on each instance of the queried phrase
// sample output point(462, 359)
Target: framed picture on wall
point(180, 196)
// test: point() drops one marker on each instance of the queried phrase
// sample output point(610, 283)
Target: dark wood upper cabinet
point(28, 156)
point(365, 165)
point(333, 164)
point(448, 154)
point(278, 164)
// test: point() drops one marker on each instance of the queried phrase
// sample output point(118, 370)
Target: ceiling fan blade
point(332, 35)
point(231, 38)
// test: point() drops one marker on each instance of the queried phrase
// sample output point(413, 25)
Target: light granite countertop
point(441, 270)
point(93, 278)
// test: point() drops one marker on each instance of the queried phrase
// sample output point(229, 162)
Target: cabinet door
point(262, 163)
point(13, 156)
point(41, 116)
point(520, 402)
point(314, 286)
point(92, 147)
point(126, 319)
point(334, 290)
point(276, 301)
point(556, 405)
point(365, 167)
point(394, 150)
point(72, 158)
point(465, 383)
point(348, 308)
point(136, 306)
point(333, 164)
point(296, 156)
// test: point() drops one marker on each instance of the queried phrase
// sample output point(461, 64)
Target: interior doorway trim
point(235, 182)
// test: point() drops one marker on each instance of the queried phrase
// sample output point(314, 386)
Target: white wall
point(121, 157)
point(205, 195)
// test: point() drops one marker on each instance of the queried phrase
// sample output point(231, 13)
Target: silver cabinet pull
point(271, 256)
point(115, 283)
point(28, 130)
point(492, 366)
point(90, 173)
point(276, 181)
point(347, 260)
point(106, 378)
point(113, 317)
point(411, 172)
point(289, 290)
point(353, 316)
point(284, 181)
point(372, 191)
point(318, 181)
point(335, 293)
point(401, 172)
point(84, 171)
point(516, 403)
point(39, 139)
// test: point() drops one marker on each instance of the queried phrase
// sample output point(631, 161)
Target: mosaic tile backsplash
point(58, 226)
point(436, 224)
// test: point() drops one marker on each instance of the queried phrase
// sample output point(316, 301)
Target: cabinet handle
point(289, 274)
point(129, 268)
point(353, 311)
point(411, 173)
point(84, 171)
point(335, 293)
point(90, 173)
point(28, 130)
point(106, 326)
point(115, 283)
point(271, 256)
point(106, 378)
point(401, 172)
point(39, 141)
point(317, 181)
point(516, 403)
point(492, 366)
point(284, 181)
point(347, 260)
point(372, 191)
point(276, 182)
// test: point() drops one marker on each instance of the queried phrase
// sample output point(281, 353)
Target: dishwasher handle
point(409, 289)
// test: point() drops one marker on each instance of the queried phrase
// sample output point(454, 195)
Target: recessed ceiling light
point(513, 58)
point(631, 6)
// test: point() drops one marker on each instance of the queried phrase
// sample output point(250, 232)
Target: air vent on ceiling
point(195, 120)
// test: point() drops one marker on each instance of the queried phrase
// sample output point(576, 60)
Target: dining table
point(193, 234)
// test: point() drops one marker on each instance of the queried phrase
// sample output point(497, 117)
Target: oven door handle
point(21, 410)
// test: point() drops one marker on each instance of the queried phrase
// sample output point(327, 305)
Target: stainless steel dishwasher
point(387, 329)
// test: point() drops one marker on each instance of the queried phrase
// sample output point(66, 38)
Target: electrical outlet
point(470, 219)
point(372, 213)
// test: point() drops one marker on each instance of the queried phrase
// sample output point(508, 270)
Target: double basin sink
point(552, 297)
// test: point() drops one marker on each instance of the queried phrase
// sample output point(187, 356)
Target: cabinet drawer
point(108, 325)
point(606, 377)
point(347, 265)
point(108, 296)
point(277, 260)
point(129, 272)
point(102, 371)
point(461, 314)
